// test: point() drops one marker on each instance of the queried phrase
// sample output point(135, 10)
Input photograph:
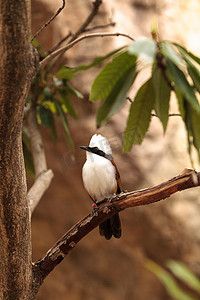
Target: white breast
point(99, 177)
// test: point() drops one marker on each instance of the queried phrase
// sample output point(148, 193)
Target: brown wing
point(119, 184)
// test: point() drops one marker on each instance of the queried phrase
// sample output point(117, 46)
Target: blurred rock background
point(170, 229)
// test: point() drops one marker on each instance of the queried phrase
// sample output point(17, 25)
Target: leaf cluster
point(173, 70)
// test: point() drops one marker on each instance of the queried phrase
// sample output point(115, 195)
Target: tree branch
point(49, 57)
point(43, 176)
point(89, 19)
point(37, 190)
point(100, 27)
point(187, 179)
point(38, 153)
point(49, 21)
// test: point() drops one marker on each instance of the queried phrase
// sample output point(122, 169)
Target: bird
point(101, 180)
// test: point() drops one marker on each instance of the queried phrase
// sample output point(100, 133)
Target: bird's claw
point(94, 208)
point(110, 199)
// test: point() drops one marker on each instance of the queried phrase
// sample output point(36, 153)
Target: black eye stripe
point(97, 151)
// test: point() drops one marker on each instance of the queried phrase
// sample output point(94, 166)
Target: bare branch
point(187, 179)
point(59, 43)
point(48, 58)
point(43, 176)
point(82, 28)
point(89, 19)
point(40, 185)
point(39, 158)
point(100, 27)
point(50, 20)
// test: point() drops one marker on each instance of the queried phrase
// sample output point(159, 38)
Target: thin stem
point(89, 19)
point(170, 115)
point(48, 58)
point(100, 27)
point(49, 21)
point(82, 28)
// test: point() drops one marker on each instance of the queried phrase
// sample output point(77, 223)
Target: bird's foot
point(94, 208)
point(122, 195)
point(110, 199)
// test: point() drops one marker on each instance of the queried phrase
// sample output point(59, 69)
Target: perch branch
point(43, 176)
point(49, 21)
point(49, 57)
point(187, 179)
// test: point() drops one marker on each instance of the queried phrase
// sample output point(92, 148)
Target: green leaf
point(68, 73)
point(191, 119)
point(168, 52)
point(28, 159)
point(192, 122)
point(192, 70)
point(45, 115)
point(195, 75)
point(192, 55)
point(181, 84)
point(181, 101)
point(65, 100)
point(75, 92)
point(50, 105)
point(111, 73)
point(162, 96)
point(168, 281)
point(117, 97)
point(47, 120)
point(144, 48)
point(47, 93)
point(184, 274)
point(65, 123)
point(139, 116)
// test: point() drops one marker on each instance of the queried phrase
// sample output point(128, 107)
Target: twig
point(82, 28)
point(100, 27)
point(43, 63)
point(129, 99)
point(170, 115)
point(187, 179)
point(59, 43)
point(71, 34)
point(89, 19)
point(49, 21)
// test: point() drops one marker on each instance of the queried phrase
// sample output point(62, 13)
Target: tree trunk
point(18, 66)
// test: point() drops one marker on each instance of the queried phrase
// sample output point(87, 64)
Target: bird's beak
point(86, 148)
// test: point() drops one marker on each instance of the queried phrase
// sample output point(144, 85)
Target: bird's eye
point(95, 148)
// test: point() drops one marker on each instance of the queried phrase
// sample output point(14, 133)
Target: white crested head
point(101, 142)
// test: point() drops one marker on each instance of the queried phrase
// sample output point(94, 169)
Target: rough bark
point(18, 65)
